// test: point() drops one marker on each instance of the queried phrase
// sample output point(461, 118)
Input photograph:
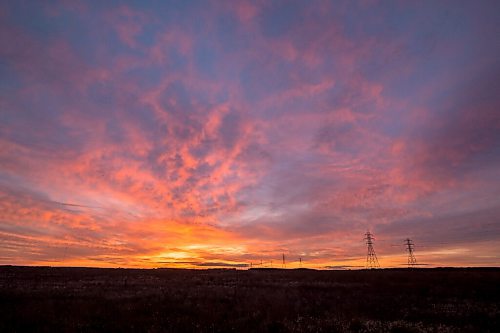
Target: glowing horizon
point(223, 133)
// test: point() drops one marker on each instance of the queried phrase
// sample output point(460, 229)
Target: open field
point(174, 300)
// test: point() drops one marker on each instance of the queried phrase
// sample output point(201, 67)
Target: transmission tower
point(371, 257)
point(300, 262)
point(283, 264)
point(412, 261)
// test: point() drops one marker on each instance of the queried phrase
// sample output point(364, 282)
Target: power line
point(371, 257)
point(412, 261)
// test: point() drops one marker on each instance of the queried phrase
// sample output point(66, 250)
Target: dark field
point(171, 300)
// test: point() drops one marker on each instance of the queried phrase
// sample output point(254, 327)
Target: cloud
point(216, 134)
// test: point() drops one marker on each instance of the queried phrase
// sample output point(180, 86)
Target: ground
point(259, 300)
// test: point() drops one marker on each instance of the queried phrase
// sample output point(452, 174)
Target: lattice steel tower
point(371, 257)
point(412, 261)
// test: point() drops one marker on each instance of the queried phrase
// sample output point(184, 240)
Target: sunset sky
point(222, 133)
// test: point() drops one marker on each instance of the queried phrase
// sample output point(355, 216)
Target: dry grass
point(164, 300)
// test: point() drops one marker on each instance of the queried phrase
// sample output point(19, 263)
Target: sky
point(228, 133)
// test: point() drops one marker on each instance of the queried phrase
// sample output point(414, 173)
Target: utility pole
point(300, 262)
point(412, 261)
point(371, 257)
point(283, 264)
